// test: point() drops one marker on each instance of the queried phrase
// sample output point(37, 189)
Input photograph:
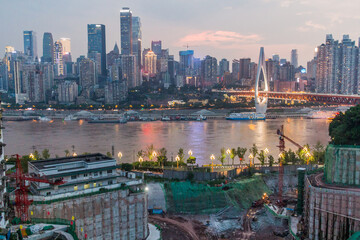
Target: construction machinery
point(281, 147)
point(22, 201)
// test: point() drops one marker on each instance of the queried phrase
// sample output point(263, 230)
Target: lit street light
point(251, 157)
point(190, 153)
point(212, 158)
point(32, 156)
point(140, 160)
point(266, 151)
point(177, 161)
point(228, 152)
point(154, 154)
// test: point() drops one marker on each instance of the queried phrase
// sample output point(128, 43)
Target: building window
point(85, 174)
point(95, 174)
point(94, 184)
point(75, 188)
point(86, 186)
point(100, 173)
point(73, 177)
point(109, 171)
point(110, 182)
point(48, 193)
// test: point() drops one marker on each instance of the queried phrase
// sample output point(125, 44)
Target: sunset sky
point(224, 29)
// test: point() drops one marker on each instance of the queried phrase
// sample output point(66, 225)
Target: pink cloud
point(218, 38)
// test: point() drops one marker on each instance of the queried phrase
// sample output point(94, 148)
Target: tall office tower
point(96, 58)
point(209, 71)
point(145, 51)
point(244, 72)
point(127, 65)
point(112, 55)
point(186, 62)
point(348, 66)
point(66, 44)
point(3, 76)
point(58, 59)
point(223, 67)
point(126, 31)
point(48, 75)
point(48, 48)
point(30, 47)
point(276, 57)
point(294, 58)
point(97, 43)
point(235, 67)
point(156, 47)
point(171, 69)
point(136, 45)
point(327, 70)
point(150, 63)
point(87, 76)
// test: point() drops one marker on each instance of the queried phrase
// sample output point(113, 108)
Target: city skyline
point(232, 33)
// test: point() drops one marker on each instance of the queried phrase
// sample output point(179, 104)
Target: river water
point(203, 138)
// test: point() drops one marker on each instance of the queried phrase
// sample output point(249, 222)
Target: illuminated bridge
point(299, 96)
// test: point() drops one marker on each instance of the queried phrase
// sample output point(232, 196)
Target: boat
point(70, 118)
point(166, 118)
point(322, 115)
point(200, 118)
point(44, 119)
point(246, 116)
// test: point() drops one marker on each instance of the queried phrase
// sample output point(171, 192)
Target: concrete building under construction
point(102, 202)
point(3, 208)
point(332, 198)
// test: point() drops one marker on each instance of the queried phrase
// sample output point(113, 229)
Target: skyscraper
point(150, 63)
point(87, 77)
point(349, 54)
point(235, 69)
point(244, 71)
point(127, 65)
point(223, 66)
point(48, 48)
point(294, 58)
point(58, 59)
point(186, 62)
point(66, 44)
point(156, 47)
point(97, 43)
point(30, 47)
point(136, 45)
point(208, 71)
point(126, 31)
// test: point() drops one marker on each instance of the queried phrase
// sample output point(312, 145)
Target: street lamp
point(266, 151)
point(177, 161)
point(120, 155)
point(140, 160)
point(74, 154)
point(190, 153)
point(228, 151)
point(212, 158)
point(154, 154)
point(251, 156)
point(32, 156)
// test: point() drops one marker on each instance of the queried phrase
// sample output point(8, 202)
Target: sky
point(221, 28)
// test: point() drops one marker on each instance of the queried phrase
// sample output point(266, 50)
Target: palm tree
point(67, 153)
point(222, 155)
point(233, 154)
point(241, 153)
point(150, 152)
point(262, 157)
point(254, 151)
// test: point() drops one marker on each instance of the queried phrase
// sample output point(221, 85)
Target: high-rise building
point(136, 47)
point(3, 76)
point(294, 58)
point(145, 51)
point(48, 48)
point(186, 62)
point(66, 44)
point(34, 83)
point(235, 69)
point(172, 69)
point(97, 43)
point(67, 91)
point(223, 67)
point(156, 47)
point(276, 57)
point(127, 64)
point(58, 59)
point(150, 63)
point(30, 47)
point(87, 76)
point(112, 56)
point(209, 71)
point(349, 55)
point(126, 31)
point(244, 72)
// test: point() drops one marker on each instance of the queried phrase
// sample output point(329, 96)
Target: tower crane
point(281, 147)
point(22, 201)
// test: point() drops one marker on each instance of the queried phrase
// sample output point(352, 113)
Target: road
point(318, 182)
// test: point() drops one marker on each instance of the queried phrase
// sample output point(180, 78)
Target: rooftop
point(89, 158)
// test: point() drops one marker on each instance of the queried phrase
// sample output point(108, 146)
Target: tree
point(37, 155)
point(67, 153)
point(181, 155)
point(45, 154)
point(345, 128)
point(233, 154)
point(140, 153)
point(290, 157)
point(262, 157)
point(241, 153)
point(150, 151)
point(126, 167)
point(222, 155)
point(162, 158)
point(319, 153)
point(254, 150)
point(271, 160)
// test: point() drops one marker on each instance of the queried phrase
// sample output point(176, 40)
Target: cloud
point(310, 26)
point(219, 38)
point(303, 13)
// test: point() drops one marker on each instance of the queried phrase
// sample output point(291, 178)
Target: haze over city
point(224, 29)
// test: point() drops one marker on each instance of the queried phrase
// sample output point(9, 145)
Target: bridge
point(337, 99)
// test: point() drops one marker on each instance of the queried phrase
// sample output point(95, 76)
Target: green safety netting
point(200, 198)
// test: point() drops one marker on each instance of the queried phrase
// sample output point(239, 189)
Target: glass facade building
point(97, 43)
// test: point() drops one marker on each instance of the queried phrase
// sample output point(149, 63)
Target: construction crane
point(281, 147)
point(22, 201)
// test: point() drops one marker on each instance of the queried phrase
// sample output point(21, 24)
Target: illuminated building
point(126, 31)
point(66, 44)
point(150, 63)
point(97, 43)
point(48, 48)
point(58, 59)
point(294, 58)
point(30, 47)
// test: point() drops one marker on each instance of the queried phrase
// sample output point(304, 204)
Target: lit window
point(75, 188)
point(86, 186)
point(94, 184)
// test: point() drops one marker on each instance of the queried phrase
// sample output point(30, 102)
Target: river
point(203, 138)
